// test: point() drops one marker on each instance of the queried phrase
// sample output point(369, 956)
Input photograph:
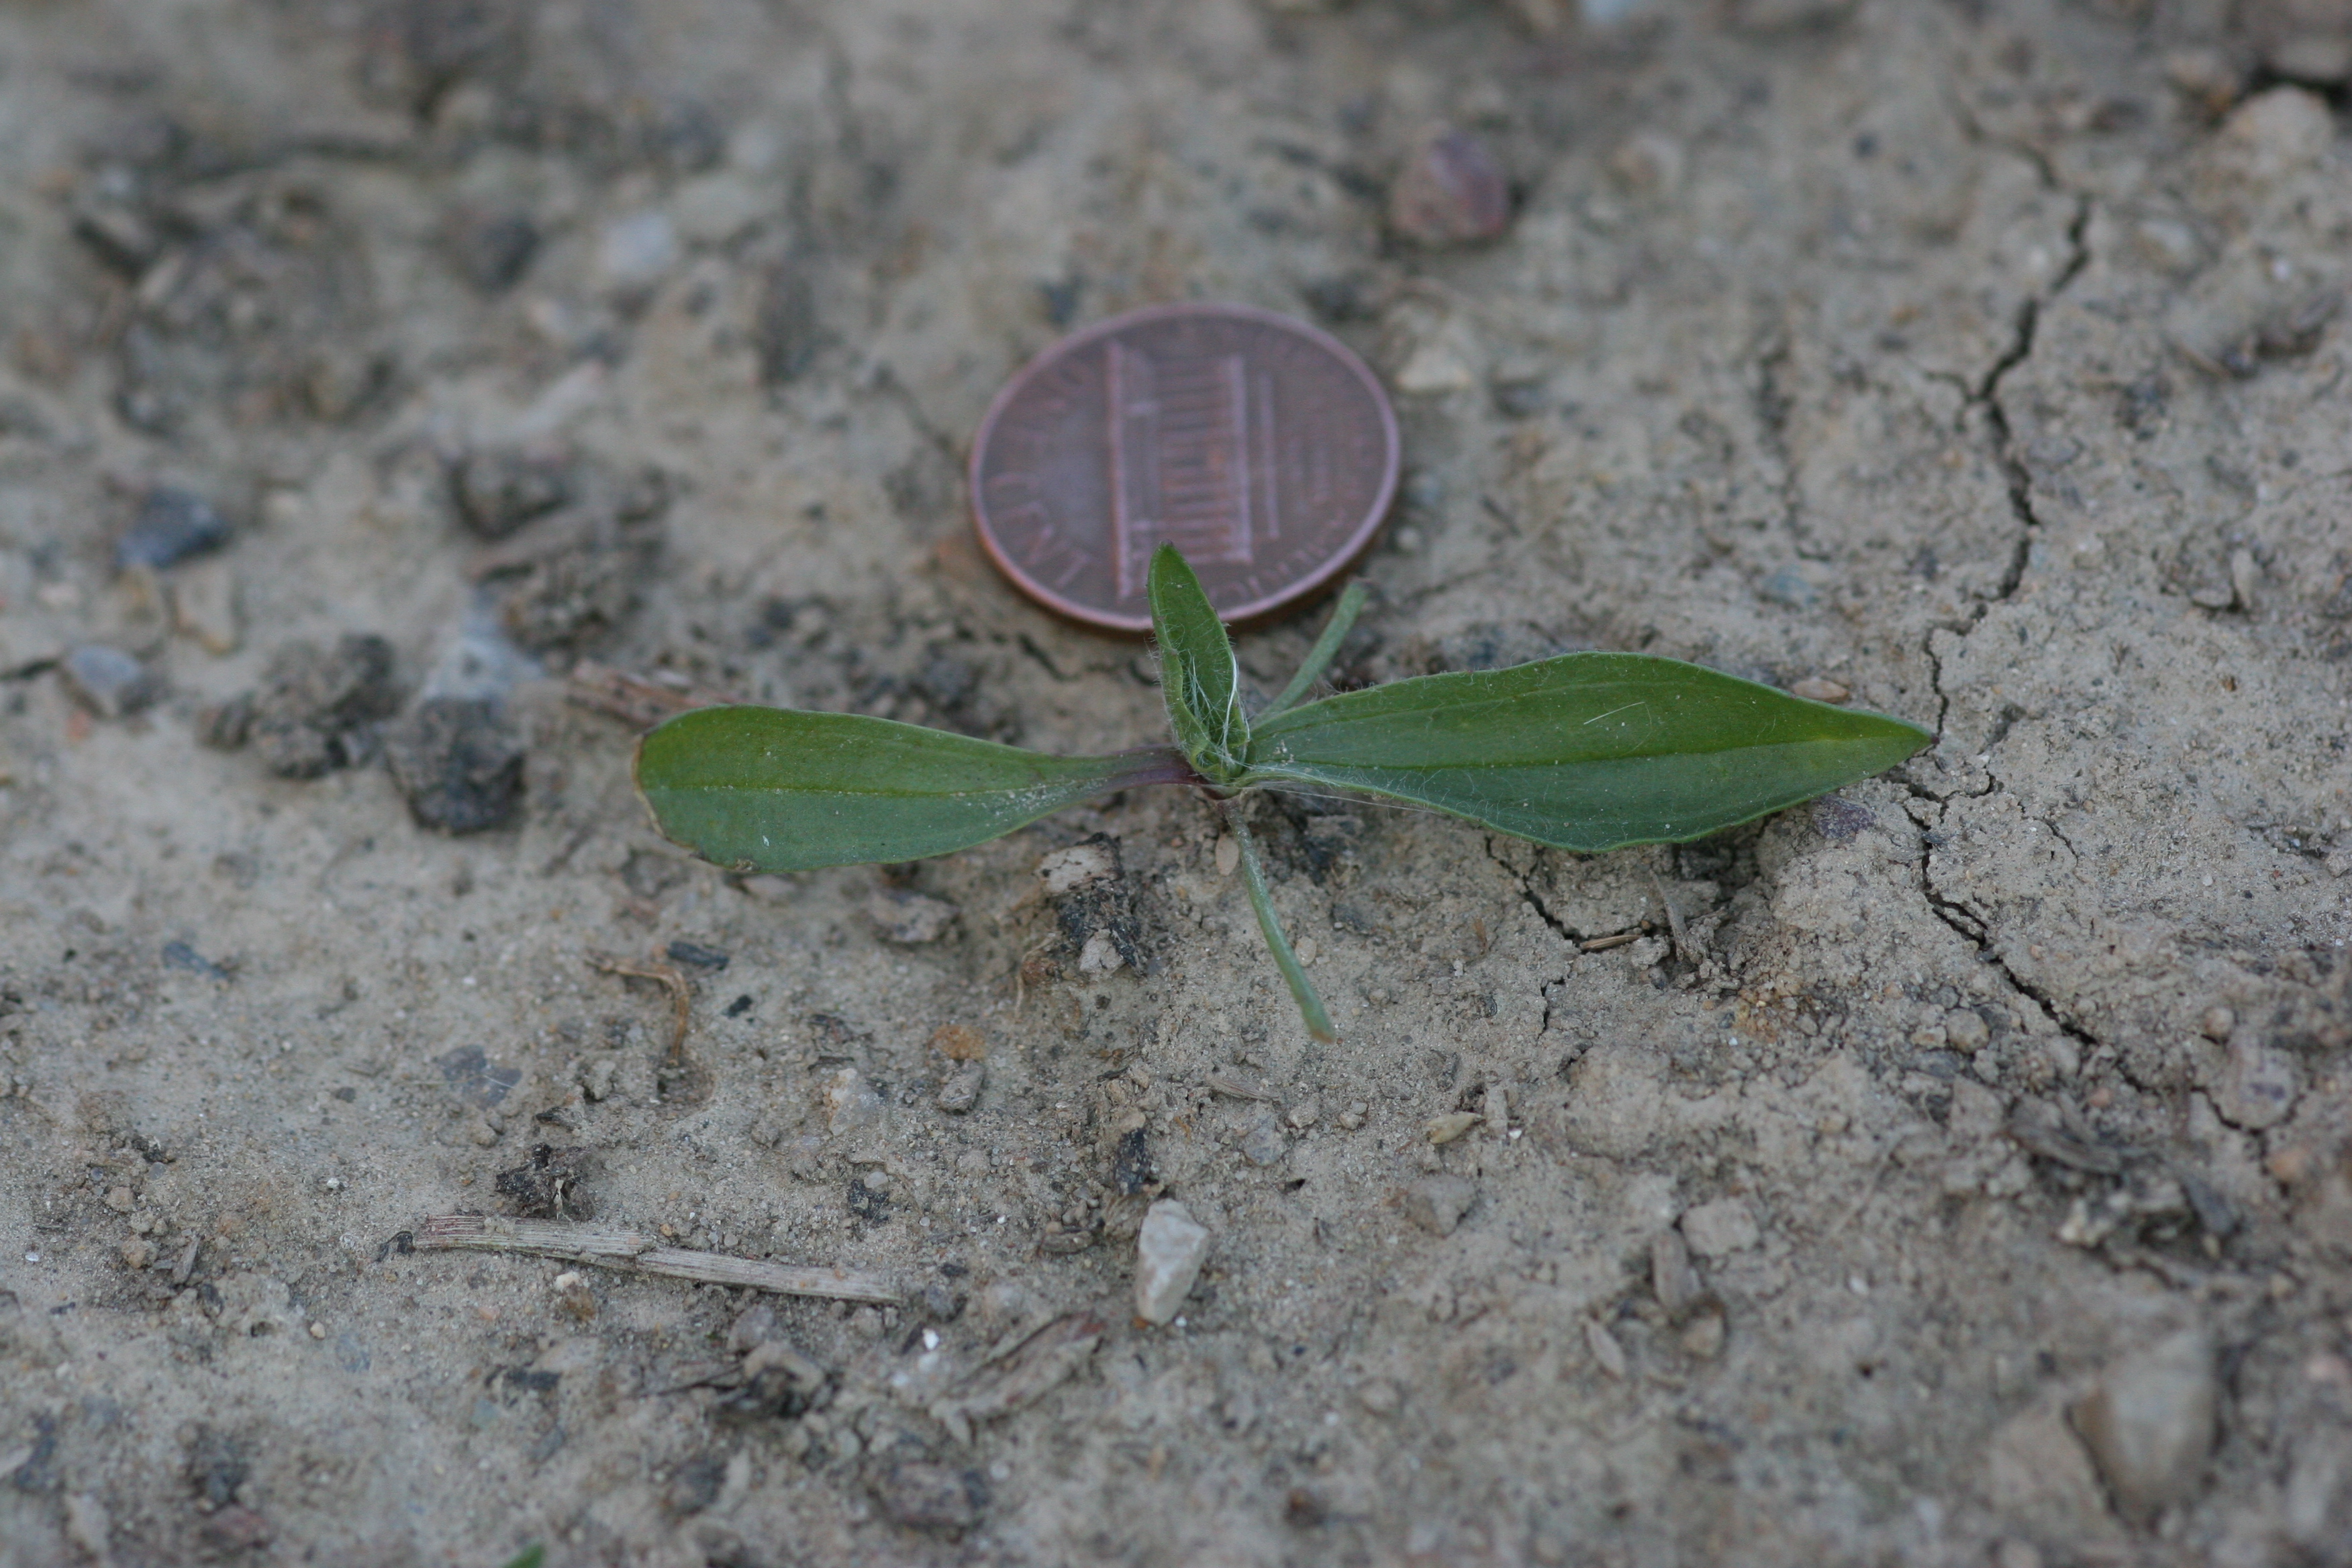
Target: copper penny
point(1258, 446)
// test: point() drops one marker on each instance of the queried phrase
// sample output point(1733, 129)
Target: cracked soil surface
point(1958, 1170)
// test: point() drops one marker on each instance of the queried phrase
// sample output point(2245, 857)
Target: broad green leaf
point(768, 789)
point(1586, 751)
point(1197, 674)
point(1326, 648)
point(1269, 926)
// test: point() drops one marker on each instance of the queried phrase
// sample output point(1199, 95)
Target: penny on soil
point(1257, 444)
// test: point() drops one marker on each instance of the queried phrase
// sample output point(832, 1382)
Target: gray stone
point(1720, 1228)
point(2258, 1084)
point(1169, 1251)
point(960, 1091)
point(1437, 1203)
point(940, 1498)
point(1264, 1144)
point(910, 919)
point(171, 525)
point(459, 765)
point(2150, 1424)
point(109, 681)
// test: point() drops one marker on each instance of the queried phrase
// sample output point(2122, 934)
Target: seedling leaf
point(1269, 925)
point(1198, 677)
point(770, 789)
point(1587, 751)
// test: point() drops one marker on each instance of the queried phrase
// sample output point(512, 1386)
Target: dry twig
point(632, 1252)
point(681, 996)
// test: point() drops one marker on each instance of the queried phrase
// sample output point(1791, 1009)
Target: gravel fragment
point(2149, 1423)
point(1672, 1276)
point(939, 1498)
point(1720, 1228)
point(1437, 1203)
point(1452, 1125)
point(696, 955)
point(1262, 1145)
point(458, 763)
point(204, 607)
point(909, 918)
point(107, 681)
point(1451, 190)
point(490, 249)
point(2258, 1084)
point(1168, 1252)
point(316, 708)
point(498, 489)
point(172, 526)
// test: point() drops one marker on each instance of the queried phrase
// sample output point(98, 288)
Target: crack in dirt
point(1964, 923)
point(1534, 901)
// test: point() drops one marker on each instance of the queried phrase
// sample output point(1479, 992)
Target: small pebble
point(1720, 1228)
point(1703, 1337)
point(492, 250)
point(1437, 1203)
point(138, 1253)
point(180, 956)
point(1303, 1115)
point(2150, 1424)
point(1353, 1117)
point(1169, 1251)
point(960, 1092)
point(695, 955)
point(909, 918)
point(171, 525)
point(109, 681)
point(1229, 854)
point(1451, 190)
point(1264, 1144)
point(316, 707)
point(1100, 955)
point(636, 250)
point(1647, 163)
point(1079, 866)
point(1815, 689)
point(940, 1500)
point(1379, 1396)
point(498, 489)
point(121, 1200)
point(850, 1101)
point(2258, 1084)
point(2217, 1023)
point(458, 763)
point(1447, 1128)
point(1606, 1351)
point(1672, 1278)
point(1966, 1031)
point(204, 607)
point(318, 1331)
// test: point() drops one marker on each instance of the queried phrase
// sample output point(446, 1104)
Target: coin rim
point(1302, 588)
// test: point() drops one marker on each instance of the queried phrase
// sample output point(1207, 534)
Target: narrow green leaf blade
point(1269, 926)
point(1587, 751)
point(1326, 648)
point(1197, 678)
point(772, 789)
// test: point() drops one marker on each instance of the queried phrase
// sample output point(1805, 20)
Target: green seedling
point(1588, 751)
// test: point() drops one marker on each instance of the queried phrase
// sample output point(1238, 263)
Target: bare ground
point(1967, 1182)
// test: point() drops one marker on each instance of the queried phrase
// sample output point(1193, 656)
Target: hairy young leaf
point(1197, 678)
point(1587, 751)
point(768, 789)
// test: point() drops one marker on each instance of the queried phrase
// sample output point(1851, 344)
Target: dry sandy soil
point(1965, 1182)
